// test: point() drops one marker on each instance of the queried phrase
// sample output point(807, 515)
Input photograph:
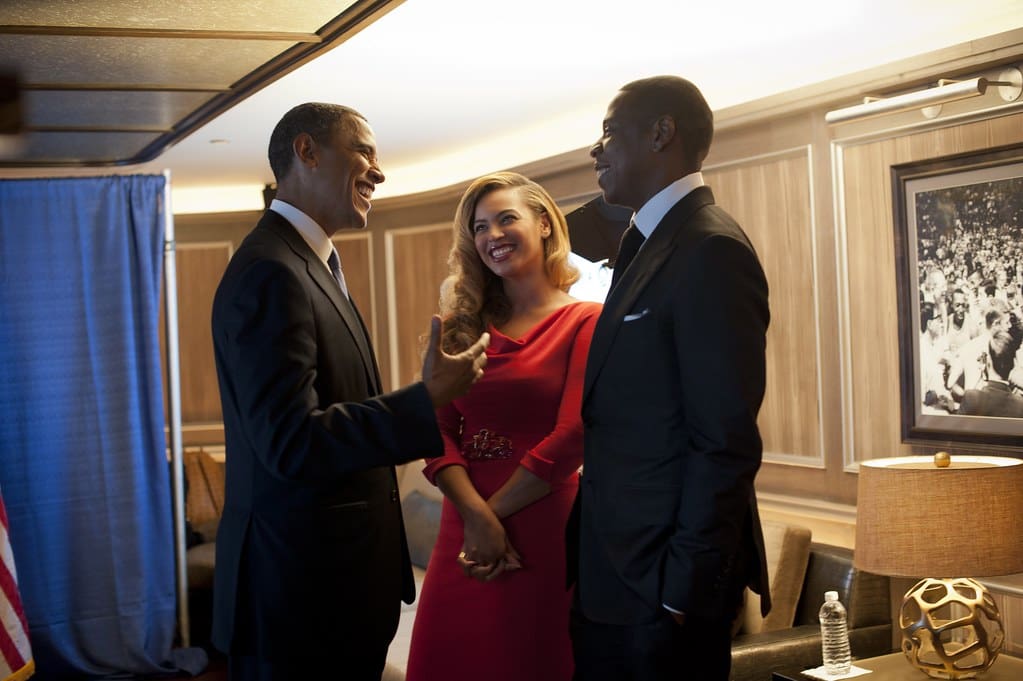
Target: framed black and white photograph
point(959, 262)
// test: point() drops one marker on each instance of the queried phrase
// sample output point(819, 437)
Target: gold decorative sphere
point(951, 628)
point(942, 459)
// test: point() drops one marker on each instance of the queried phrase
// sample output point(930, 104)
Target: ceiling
point(452, 88)
point(107, 84)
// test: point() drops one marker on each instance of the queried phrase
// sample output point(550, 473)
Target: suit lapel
point(666, 238)
point(347, 310)
point(373, 366)
point(326, 283)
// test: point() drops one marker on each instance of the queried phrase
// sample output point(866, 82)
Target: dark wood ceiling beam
point(197, 34)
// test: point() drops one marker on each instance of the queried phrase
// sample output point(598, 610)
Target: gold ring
point(461, 556)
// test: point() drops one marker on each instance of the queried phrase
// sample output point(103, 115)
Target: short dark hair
point(677, 97)
point(994, 314)
point(928, 311)
point(318, 119)
point(1003, 347)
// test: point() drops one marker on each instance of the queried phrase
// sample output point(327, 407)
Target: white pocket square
point(636, 315)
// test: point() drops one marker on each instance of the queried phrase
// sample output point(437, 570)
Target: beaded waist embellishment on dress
point(486, 446)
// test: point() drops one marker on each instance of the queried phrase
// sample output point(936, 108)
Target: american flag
point(15, 651)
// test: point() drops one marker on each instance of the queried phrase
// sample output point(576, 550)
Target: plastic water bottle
point(834, 635)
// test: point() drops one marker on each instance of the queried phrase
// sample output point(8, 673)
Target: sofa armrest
point(866, 597)
point(756, 656)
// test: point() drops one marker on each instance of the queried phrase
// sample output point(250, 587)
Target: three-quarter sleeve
point(449, 419)
point(559, 455)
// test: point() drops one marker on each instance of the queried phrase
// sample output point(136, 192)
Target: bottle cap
point(831, 595)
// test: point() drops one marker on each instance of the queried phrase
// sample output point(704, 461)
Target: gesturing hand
point(450, 376)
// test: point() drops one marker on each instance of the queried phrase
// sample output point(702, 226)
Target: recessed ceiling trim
point(296, 49)
point(96, 128)
point(125, 87)
point(176, 33)
point(350, 22)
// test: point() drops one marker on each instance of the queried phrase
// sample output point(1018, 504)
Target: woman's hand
point(484, 540)
point(486, 572)
point(486, 551)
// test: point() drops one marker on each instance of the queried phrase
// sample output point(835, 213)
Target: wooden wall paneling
point(199, 269)
point(866, 231)
point(356, 251)
point(771, 197)
point(416, 265)
point(871, 330)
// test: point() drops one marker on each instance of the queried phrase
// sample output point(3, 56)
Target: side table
point(894, 667)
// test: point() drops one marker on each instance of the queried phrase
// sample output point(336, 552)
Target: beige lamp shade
point(916, 519)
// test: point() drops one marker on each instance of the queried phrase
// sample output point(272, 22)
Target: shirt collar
point(309, 230)
point(654, 210)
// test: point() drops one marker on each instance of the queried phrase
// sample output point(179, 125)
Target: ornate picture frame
point(959, 266)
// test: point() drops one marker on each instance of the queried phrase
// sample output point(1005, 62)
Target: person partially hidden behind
point(493, 604)
point(995, 397)
point(669, 534)
point(311, 561)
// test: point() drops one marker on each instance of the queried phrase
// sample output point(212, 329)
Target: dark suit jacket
point(311, 553)
point(674, 380)
point(993, 399)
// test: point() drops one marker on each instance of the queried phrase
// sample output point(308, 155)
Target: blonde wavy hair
point(472, 296)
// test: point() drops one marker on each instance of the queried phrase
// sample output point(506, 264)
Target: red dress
point(524, 411)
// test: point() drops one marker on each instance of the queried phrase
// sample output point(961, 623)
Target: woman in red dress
point(494, 604)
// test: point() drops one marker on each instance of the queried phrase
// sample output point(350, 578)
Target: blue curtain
point(82, 449)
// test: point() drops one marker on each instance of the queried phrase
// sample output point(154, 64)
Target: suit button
point(394, 495)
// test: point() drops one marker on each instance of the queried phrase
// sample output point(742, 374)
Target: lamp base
point(951, 628)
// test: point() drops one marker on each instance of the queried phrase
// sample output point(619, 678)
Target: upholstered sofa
point(866, 597)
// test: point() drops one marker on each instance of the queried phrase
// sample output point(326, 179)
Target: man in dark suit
point(669, 532)
point(311, 554)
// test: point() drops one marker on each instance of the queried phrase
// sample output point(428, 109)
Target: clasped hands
point(486, 571)
point(450, 376)
point(486, 552)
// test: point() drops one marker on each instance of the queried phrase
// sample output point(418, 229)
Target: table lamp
point(945, 517)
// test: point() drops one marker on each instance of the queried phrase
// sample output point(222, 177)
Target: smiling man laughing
point(311, 556)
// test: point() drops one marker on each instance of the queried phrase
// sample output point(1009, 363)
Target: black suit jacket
point(995, 398)
point(311, 553)
point(674, 381)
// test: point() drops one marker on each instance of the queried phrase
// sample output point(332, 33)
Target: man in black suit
point(669, 532)
point(311, 554)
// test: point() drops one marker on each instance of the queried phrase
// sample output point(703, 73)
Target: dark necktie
point(334, 261)
point(353, 319)
point(632, 239)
